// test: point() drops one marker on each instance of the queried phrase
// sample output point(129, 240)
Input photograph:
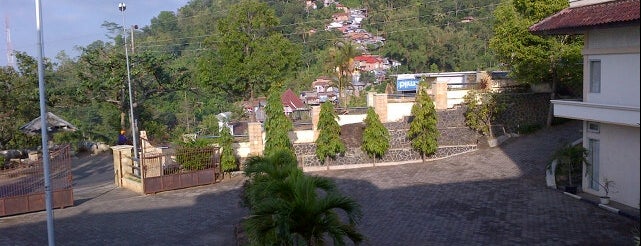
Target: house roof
point(368, 58)
point(575, 20)
point(290, 99)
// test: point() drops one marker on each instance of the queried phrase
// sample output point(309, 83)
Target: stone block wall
point(524, 109)
point(455, 138)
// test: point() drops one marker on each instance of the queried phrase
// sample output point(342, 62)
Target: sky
point(70, 23)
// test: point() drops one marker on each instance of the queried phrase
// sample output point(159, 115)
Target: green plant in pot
point(570, 159)
point(606, 184)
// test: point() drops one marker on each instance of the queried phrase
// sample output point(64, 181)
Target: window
point(593, 158)
point(593, 127)
point(595, 76)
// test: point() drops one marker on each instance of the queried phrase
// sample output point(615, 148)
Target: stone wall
point(455, 138)
point(524, 109)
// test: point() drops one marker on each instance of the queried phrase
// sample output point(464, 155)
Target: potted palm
point(570, 159)
point(606, 185)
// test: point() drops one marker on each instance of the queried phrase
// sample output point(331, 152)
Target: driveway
point(491, 196)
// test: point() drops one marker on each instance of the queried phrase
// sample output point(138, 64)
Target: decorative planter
point(605, 200)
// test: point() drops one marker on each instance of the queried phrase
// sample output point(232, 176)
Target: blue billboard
point(406, 82)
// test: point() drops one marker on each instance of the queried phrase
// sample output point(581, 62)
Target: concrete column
point(440, 95)
point(370, 98)
point(315, 117)
point(256, 145)
point(122, 162)
point(380, 106)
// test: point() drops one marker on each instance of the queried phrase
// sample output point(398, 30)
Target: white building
point(610, 106)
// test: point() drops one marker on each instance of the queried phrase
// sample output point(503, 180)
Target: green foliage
point(277, 125)
point(482, 109)
point(3, 161)
point(328, 143)
point(227, 159)
point(375, 136)
point(570, 159)
point(208, 55)
point(248, 55)
point(341, 63)
point(194, 156)
point(423, 132)
point(536, 59)
point(209, 125)
point(289, 208)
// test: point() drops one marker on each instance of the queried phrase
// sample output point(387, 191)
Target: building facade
point(610, 105)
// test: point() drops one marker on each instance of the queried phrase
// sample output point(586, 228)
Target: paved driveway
point(488, 197)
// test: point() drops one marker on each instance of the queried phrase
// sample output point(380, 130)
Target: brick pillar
point(380, 106)
point(122, 162)
point(256, 145)
point(315, 117)
point(440, 95)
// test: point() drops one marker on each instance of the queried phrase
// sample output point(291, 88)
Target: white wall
point(618, 51)
point(350, 119)
point(396, 111)
point(455, 97)
point(303, 136)
point(619, 161)
point(619, 86)
point(242, 149)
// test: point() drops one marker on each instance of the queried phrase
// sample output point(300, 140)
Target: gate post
point(256, 145)
point(122, 157)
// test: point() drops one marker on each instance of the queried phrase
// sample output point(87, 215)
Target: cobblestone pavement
point(491, 196)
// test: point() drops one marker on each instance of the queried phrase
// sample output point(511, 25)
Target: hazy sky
point(70, 23)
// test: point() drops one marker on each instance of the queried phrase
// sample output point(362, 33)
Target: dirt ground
point(352, 134)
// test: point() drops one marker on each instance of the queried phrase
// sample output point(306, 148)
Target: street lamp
point(122, 7)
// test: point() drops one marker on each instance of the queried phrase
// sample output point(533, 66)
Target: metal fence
point(22, 183)
point(181, 168)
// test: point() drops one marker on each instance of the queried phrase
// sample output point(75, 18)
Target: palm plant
point(570, 158)
point(290, 208)
point(343, 64)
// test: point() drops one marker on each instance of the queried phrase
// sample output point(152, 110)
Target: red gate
point(22, 184)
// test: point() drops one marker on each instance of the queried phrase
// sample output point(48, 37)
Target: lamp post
point(122, 7)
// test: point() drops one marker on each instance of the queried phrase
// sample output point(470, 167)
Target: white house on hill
point(610, 106)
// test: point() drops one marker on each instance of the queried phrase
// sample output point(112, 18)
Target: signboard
point(406, 82)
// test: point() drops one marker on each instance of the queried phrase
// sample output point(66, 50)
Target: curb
point(606, 207)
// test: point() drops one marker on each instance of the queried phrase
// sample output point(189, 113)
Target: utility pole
point(122, 7)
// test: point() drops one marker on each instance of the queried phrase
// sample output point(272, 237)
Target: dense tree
point(482, 109)
point(328, 143)
point(19, 101)
point(277, 125)
point(554, 60)
point(227, 158)
point(375, 136)
point(209, 125)
point(423, 132)
point(248, 55)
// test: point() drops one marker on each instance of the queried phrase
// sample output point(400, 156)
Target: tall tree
point(249, 54)
point(227, 159)
point(277, 125)
point(554, 60)
point(423, 132)
point(328, 143)
point(375, 136)
point(482, 109)
point(342, 64)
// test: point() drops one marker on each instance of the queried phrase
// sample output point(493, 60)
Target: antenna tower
point(10, 55)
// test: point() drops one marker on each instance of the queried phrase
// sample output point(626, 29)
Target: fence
point(182, 168)
point(22, 184)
